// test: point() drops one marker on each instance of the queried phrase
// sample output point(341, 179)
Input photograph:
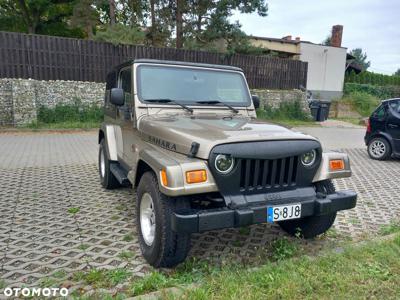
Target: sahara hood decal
point(161, 143)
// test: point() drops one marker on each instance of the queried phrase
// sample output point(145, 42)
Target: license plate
point(283, 212)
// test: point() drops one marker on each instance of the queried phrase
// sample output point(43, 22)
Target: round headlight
point(224, 163)
point(308, 159)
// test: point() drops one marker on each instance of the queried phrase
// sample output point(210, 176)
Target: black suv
point(383, 131)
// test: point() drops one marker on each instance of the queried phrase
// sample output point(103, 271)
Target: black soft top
point(176, 63)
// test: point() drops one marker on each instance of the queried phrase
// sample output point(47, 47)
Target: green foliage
point(286, 111)
point(76, 112)
point(381, 92)
point(397, 73)
point(373, 78)
point(283, 248)
point(362, 102)
point(38, 16)
point(393, 227)
point(356, 273)
point(361, 58)
point(102, 278)
point(150, 283)
point(121, 34)
point(73, 210)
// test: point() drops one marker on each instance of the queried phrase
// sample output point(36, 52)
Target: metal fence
point(52, 58)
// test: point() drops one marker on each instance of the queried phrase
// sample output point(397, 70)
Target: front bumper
point(191, 221)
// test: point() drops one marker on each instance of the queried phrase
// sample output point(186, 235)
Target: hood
point(178, 132)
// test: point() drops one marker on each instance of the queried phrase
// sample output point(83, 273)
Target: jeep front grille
point(268, 174)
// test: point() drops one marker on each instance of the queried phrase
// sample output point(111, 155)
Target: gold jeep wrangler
point(186, 138)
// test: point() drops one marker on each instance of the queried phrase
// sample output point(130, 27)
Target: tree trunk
point(153, 21)
point(198, 25)
point(27, 17)
point(179, 24)
point(112, 12)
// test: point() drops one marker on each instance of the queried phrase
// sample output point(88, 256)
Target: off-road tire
point(107, 180)
point(169, 248)
point(312, 226)
point(388, 149)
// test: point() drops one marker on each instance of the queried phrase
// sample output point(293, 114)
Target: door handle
point(393, 125)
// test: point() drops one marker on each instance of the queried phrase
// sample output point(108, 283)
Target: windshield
point(190, 85)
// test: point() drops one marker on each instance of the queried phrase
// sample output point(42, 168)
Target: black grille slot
point(268, 174)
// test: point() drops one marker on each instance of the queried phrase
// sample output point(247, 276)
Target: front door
point(393, 123)
point(125, 118)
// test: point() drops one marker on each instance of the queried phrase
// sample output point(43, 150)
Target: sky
point(372, 25)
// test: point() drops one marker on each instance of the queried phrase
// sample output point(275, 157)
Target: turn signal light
point(164, 178)
point(196, 176)
point(336, 164)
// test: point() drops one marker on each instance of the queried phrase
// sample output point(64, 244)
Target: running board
point(119, 173)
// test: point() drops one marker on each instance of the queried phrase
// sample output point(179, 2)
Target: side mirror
point(256, 101)
point(117, 96)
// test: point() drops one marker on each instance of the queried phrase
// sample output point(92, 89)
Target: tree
point(360, 58)
point(34, 16)
point(85, 16)
point(207, 21)
point(397, 73)
point(327, 40)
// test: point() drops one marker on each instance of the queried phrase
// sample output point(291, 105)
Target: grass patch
point(283, 249)
point(83, 247)
point(126, 254)
point(357, 273)
point(68, 116)
point(127, 237)
point(73, 210)
point(393, 227)
point(102, 278)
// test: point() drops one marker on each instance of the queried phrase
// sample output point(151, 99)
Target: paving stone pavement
point(45, 178)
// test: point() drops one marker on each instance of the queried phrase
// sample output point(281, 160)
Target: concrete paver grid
point(40, 234)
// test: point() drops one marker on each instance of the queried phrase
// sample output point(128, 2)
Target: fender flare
point(108, 132)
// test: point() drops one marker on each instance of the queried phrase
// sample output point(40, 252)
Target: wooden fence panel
point(51, 58)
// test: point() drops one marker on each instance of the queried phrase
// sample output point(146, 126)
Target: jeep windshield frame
point(192, 84)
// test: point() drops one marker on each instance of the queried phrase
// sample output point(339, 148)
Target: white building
point(326, 64)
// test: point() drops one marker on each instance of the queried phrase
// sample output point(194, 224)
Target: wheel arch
point(384, 135)
point(141, 169)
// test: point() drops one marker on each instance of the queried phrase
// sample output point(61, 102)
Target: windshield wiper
point(170, 101)
point(218, 102)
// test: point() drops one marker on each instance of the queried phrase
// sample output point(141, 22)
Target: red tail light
point(369, 126)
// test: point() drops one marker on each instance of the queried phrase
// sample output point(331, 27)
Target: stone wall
point(20, 98)
point(274, 98)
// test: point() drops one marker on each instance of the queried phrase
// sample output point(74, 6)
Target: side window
point(380, 112)
point(395, 106)
point(125, 82)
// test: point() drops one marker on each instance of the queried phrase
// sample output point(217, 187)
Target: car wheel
point(379, 148)
point(107, 179)
point(312, 226)
point(160, 245)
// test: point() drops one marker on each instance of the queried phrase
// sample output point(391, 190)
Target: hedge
point(373, 78)
point(381, 92)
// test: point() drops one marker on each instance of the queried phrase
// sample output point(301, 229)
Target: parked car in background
point(383, 130)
